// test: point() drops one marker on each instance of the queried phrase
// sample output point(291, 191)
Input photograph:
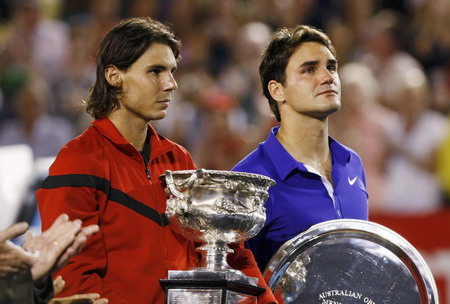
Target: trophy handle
point(190, 183)
point(199, 173)
point(171, 185)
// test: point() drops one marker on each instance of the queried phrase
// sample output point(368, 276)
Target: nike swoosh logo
point(352, 181)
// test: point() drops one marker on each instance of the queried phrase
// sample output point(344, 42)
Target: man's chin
point(333, 108)
point(324, 113)
point(158, 116)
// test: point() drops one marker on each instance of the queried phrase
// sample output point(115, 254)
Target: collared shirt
point(301, 197)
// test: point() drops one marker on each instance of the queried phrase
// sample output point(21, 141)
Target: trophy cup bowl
point(215, 208)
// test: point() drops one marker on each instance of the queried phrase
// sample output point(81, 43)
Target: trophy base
point(210, 287)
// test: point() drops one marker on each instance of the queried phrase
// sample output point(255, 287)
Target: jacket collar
point(158, 143)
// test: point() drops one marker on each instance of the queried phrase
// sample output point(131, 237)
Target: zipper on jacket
point(148, 173)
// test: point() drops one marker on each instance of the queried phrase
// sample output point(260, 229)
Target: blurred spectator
point(411, 185)
point(440, 89)
point(140, 8)
point(241, 78)
point(384, 52)
point(31, 42)
point(431, 40)
point(223, 144)
point(75, 80)
point(45, 134)
point(347, 27)
point(97, 18)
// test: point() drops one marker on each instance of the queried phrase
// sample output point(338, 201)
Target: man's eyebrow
point(316, 62)
point(332, 61)
point(309, 63)
point(161, 67)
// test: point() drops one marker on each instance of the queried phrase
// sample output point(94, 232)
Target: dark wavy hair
point(275, 59)
point(122, 46)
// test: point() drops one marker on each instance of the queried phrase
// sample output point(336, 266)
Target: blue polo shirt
point(301, 197)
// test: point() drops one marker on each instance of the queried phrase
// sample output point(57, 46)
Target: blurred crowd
point(394, 58)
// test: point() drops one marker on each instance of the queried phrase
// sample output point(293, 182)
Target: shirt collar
point(284, 163)
point(339, 152)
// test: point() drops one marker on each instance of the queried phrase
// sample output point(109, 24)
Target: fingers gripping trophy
point(214, 208)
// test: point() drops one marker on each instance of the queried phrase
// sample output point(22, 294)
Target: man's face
point(312, 87)
point(148, 84)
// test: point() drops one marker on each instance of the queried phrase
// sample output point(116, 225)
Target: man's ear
point(276, 90)
point(112, 75)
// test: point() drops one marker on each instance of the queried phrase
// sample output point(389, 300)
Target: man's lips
point(327, 92)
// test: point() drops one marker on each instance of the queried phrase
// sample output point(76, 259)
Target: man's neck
point(306, 140)
point(134, 131)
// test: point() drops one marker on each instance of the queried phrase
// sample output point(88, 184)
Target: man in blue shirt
point(318, 179)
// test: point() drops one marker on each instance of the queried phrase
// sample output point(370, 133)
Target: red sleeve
point(84, 272)
point(242, 259)
point(86, 269)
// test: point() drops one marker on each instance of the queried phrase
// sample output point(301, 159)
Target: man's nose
point(170, 84)
point(326, 76)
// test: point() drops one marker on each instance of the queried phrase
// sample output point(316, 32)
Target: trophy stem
point(214, 256)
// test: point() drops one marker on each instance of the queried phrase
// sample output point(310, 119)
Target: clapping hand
point(55, 246)
point(13, 258)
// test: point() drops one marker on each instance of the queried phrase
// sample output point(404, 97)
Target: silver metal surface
point(192, 295)
point(207, 296)
point(216, 208)
point(350, 261)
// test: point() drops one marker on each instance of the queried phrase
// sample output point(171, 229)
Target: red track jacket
point(101, 179)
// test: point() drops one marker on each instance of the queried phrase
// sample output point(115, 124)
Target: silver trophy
point(214, 208)
point(350, 261)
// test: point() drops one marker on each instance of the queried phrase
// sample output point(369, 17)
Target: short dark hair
point(122, 46)
point(275, 59)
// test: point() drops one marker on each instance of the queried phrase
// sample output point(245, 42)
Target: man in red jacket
point(109, 175)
